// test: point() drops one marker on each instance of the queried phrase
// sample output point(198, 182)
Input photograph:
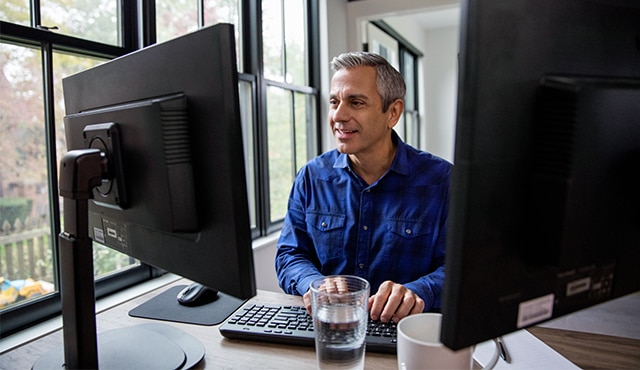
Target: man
point(373, 207)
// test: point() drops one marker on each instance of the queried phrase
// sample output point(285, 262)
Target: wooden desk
point(221, 353)
point(591, 351)
point(583, 349)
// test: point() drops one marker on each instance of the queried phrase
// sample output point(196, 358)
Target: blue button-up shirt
point(393, 229)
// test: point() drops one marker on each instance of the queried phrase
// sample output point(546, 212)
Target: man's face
point(355, 112)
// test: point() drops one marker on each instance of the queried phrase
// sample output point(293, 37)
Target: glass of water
point(339, 306)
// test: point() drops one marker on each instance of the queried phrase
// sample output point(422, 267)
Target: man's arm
point(295, 255)
point(294, 269)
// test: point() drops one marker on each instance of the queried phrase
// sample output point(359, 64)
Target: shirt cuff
point(305, 283)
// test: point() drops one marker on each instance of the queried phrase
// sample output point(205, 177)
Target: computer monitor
point(167, 119)
point(544, 216)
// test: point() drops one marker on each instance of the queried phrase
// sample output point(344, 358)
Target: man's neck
point(372, 167)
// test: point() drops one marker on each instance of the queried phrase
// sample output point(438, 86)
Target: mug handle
point(499, 348)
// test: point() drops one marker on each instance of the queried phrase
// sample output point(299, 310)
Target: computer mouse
point(196, 295)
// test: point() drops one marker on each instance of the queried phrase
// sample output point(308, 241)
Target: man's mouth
point(345, 134)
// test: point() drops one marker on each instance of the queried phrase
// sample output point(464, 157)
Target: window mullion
point(253, 62)
point(294, 144)
point(35, 13)
point(146, 23)
point(200, 11)
point(283, 30)
point(50, 142)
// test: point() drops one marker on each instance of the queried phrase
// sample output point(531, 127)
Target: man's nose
point(341, 112)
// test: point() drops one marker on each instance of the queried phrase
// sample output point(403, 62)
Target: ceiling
point(436, 18)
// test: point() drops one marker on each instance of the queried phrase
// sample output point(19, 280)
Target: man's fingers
point(418, 306)
point(393, 302)
point(379, 300)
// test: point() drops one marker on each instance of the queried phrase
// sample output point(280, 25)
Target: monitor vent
point(554, 132)
point(175, 130)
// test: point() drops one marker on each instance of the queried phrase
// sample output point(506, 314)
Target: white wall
point(441, 91)
point(264, 254)
point(362, 10)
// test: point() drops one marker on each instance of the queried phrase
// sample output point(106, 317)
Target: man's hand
point(331, 285)
point(306, 299)
point(393, 301)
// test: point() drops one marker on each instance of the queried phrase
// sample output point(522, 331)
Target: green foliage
point(15, 11)
point(107, 260)
point(12, 209)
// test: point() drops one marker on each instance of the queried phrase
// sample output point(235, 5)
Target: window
point(31, 70)
point(88, 19)
point(25, 235)
point(40, 46)
point(411, 115)
point(291, 112)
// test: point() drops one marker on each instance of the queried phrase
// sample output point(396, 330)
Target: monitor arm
point(80, 172)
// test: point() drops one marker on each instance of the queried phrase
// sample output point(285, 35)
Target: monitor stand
point(156, 346)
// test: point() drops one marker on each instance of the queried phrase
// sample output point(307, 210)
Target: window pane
point(410, 79)
point(217, 11)
point(400, 128)
point(284, 49)
point(227, 11)
point(15, 11)
point(246, 112)
point(273, 52)
point(95, 20)
point(295, 41)
point(280, 150)
point(105, 260)
point(303, 123)
point(410, 137)
point(175, 18)
point(26, 266)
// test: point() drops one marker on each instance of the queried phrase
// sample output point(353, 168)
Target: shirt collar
point(400, 163)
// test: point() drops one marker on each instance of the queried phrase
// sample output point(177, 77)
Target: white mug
point(419, 346)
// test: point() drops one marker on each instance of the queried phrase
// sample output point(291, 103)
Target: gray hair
point(389, 81)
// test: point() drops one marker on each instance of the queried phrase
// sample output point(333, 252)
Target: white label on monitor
point(535, 310)
point(98, 235)
point(578, 286)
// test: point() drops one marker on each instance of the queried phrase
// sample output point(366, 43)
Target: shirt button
point(365, 227)
point(408, 231)
point(361, 265)
point(324, 224)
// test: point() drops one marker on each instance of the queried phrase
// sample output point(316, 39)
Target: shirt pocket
point(412, 238)
point(327, 232)
point(408, 229)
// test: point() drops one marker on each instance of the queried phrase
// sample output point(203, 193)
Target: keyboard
point(285, 324)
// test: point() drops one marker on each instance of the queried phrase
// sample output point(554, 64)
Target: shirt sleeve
point(429, 288)
point(295, 254)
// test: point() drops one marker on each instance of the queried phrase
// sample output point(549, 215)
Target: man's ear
point(395, 112)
